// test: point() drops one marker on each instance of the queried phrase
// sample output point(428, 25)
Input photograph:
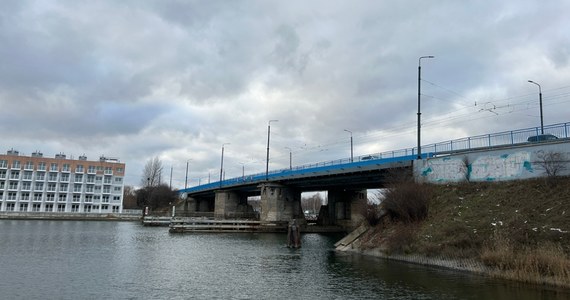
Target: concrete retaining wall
point(68, 216)
point(522, 162)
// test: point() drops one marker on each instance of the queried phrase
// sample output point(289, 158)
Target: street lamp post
point(419, 101)
point(540, 102)
point(186, 179)
point(351, 152)
point(222, 164)
point(267, 161)
point(290, 158)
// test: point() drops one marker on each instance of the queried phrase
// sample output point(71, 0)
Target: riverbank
point(68, 216)
point(515, 230)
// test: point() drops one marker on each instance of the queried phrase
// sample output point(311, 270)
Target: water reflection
point(110, 260)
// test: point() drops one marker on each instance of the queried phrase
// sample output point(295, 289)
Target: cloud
point(177, 79)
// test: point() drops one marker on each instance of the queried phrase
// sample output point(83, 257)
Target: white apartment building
point(40, 184)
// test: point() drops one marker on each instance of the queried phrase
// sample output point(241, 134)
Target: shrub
point(407, 202)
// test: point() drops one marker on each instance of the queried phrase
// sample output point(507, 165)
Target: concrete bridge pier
point(195, 205)
point(280, 204)
point(231, 205)
point(345, 208)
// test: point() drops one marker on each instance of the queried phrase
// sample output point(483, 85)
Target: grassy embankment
point(518, 230)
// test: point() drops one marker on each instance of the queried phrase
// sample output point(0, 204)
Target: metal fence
point(520, 136)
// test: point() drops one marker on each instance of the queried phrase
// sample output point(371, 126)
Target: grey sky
point(177, 79)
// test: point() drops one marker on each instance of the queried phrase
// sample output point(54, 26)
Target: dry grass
point(471, 221)
point(546, 264)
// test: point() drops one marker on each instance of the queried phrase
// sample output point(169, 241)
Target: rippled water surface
point(122, 260)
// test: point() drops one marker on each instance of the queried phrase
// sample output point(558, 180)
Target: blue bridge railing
point(561, 130)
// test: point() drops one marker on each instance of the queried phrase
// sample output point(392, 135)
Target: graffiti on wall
point(484, 168)
point(445, 170)
point(503, 167)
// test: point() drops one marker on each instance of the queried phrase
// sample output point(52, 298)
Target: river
point(124, 260)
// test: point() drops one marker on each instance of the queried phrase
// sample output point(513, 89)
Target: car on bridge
point(369, 157)
point(541, 138)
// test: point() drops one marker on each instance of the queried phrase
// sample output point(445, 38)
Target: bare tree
point(152, 173)
point(552, 162)
point(312, 204)
point(129, 197)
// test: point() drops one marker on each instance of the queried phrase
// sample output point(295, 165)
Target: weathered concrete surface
point(526, 161)
point(280, 204)
point(345, 207)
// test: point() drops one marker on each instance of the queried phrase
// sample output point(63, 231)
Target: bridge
point(347, 180)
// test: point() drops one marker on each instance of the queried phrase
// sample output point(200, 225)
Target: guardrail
point(561, 130)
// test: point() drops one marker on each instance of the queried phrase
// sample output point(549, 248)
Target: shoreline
point(64, 216)
point(473, 266)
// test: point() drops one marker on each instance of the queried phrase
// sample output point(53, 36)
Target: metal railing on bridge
point(520, 136)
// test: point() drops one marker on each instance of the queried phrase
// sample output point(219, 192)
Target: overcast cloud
point(177, 79)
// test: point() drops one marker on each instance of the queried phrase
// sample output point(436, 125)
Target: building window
point(78, 177)
point(13, 185)
point(75, 208)
point(52, 177)
point(39, 186)
point(106, 189)
point(116, 198)
point(104, 207)
point(116, 209)
point(120, 170)
point(29, 166)
point(51, 187)
point(107, 180)
point(76, 198)
point(10, 206)
point(79, 169)
point(1, 196)
point(91, 169)
point(49, 207)
point(105, 199)
point(27, 175)
point(90, 178)
point(25, 196)
point(65, 177)
point(2, 174)
point(118, 179)
point(50, 197)
point(98, 179)
point(95, 207)
point(63, 187)
point(97, 188)
point(117, 189)
point(36, 207)
point(77, 188)
point(37, 196)
point(53, 167)
point(61, 207)
point(12, 195)
point(40, 176)
point(26, 186)
point(89, 189)
point(87, 208)
point(62, 198)
point(23, 206)
point(14, 174)
point(66, 168)
point(2, 185)
point(3, 163)
point(16, 164)
point(88, 198)
point(42, 166)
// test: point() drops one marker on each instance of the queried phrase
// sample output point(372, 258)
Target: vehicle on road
point(542, 137)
